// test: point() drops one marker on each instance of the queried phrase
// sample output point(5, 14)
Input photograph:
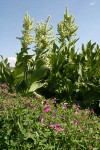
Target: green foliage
point(24, 61)
point(36, 123)
point(63, 60)
point(6, 75)
point(88, 83)
point(30, 71)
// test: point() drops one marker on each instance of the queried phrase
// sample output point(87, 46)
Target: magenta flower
point(36, 97)
point(77, 111)
point(47, 108)
point(27, 99)
point(3, 84)
point(64, 106)
point(51, 125)
point(41, 118)
point(58, 128)
point(75, 122)
point(74, 105)
point(53, 101)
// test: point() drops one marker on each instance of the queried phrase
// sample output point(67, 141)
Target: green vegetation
point(36, 123)
point(56, 72)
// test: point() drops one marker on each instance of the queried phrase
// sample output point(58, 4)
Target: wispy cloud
point(92, 4)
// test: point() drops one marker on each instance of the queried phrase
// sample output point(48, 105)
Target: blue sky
point(12, 13)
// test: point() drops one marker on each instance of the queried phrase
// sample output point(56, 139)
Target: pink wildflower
point(77, 111)
point(58, 128)
point(41, 118)
point(75, 122)
point(3, 84)
point(36, 97)
point(47, 108)
point(51, 125)
point(53, 101)
point(74, 105)
point(27, 99)
point(64, 106)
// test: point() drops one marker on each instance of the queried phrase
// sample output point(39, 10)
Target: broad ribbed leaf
point(35, 86)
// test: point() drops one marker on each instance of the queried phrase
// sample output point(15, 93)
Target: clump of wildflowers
point(41, 120)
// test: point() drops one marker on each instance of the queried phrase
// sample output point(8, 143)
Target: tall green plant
point(44, 39)
point(88, 84)
point(62, 60)
point(29, 72)
point(24, 61)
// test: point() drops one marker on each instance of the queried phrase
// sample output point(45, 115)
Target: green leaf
point(35, 86)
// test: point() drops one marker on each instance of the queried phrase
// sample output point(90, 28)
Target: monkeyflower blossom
point(64, 106)
point(36, 97)
point(3, 85)
point(41, 118)
point(27, 100)
point(51, 125)
point(74, 105)
point(77, 106)
point(53, 101)
point(58, 127)
point(75, 122)
point(78, 111)
point(47, 108)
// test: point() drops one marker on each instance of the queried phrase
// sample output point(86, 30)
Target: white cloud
point(92, 3)
point(12, 61)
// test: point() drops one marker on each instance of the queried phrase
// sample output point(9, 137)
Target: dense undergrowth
point(36, 123)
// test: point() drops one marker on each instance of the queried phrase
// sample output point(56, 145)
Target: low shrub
point(37, 123)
